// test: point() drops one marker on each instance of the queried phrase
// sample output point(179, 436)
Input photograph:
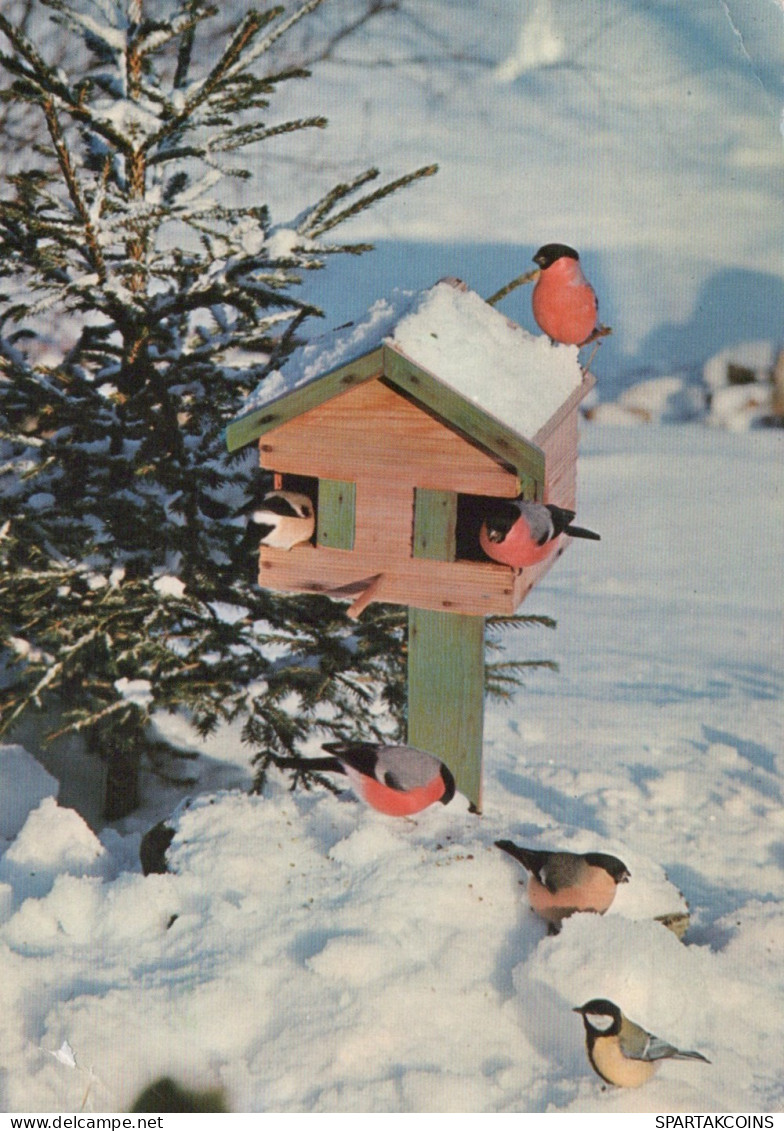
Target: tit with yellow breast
point(562, 883)
point(620, 1051)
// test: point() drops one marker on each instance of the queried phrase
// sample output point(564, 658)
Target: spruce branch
point(264, 46)
point(38, 81)
point(373, 198)
point(308, 222)
point(234, 53)
point(503, 621)
point(503, 678)
point(241, 136)
point(74, 190)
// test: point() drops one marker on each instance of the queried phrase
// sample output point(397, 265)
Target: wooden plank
point(446, 692)
point(336, 509)
point(372, 432)
point(384, 519)
point(560, 447)
point(317, 391)
point(469, 420)
point(476, 588)
point(435, 524)
point(526, 579)
point(561, 456)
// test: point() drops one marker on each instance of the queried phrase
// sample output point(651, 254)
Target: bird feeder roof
point(444, 348)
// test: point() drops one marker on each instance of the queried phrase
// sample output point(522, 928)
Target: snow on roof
point(517, 377)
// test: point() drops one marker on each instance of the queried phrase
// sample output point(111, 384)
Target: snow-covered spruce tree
point(137, 314)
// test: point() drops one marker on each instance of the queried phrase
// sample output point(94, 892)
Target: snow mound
point(755, 357)
point(672, 399)
point(52, 842)
point(740, 384)
point(739, 407)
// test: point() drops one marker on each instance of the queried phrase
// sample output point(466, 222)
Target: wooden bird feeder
point(407, 423)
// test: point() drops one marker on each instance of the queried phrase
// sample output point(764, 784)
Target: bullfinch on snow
point(519, 533)
point(621, 1052)
point(564, 302)
point(284, 519)
point(562, 883)
point(396, 780)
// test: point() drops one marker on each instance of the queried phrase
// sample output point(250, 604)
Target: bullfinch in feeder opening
point(562, 883)
point(519, 533)
point(396, 780)
point(621, 1052)
point(284, 519)
point(564, 303)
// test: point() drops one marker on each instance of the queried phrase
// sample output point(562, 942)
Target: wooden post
point(446, 660)
point(446, 665)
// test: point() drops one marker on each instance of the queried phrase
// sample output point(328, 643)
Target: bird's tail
point(683, 1055)
point(530, 858)
point(361, 756)
point(581, 532)
point(562, 523)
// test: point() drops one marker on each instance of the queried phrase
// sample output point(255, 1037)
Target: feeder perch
point(407, 423)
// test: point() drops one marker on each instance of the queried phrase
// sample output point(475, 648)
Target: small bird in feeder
point(620, 1051)
point(564, 303)
point(520, 533)
point(284, 519)
point(562, 883)
point(396, 780)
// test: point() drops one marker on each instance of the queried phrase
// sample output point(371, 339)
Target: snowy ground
point(312, 955)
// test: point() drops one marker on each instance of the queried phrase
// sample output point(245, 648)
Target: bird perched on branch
point(620, 1051)
point(519, 533)
point(562, 883)
point(396, 780)
point(284, 519)
point(564, 302)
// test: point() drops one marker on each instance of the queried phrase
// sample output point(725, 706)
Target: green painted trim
point(337, 502)
point(435, 524)
point(446, 677)
point(313, 393)
point(467, 418)
point(531, 488)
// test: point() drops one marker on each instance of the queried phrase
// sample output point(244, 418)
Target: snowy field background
point(311, 955)
point(648, 136)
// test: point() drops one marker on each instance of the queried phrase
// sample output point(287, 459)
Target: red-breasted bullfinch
point(562, 883)
point(396, 780)
point(564, 302)
point(621, 1052)
point(284, 519)
point(519, 533)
